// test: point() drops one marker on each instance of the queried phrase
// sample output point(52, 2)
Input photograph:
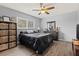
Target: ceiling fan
point(43, 9)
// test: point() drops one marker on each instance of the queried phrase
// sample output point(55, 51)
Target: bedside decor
point(6, 18)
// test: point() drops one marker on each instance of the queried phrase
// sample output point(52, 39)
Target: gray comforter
point(38, 41)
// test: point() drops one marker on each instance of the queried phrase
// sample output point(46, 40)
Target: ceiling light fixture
point(43, 9)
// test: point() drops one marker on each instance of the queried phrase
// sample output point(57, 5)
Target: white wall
point(66, 19)
point(67, 23)
point(78, 18)
point(4, 11)
point(27, 8)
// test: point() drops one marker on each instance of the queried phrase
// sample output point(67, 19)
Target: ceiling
point(60, 8)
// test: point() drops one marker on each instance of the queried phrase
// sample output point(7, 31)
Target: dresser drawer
point(12, 26)
point(12, 38)
point(3, 39)
point(3, 47)
point(3, 32)
point(12, 44)
point(3, 26)
point(12, 32)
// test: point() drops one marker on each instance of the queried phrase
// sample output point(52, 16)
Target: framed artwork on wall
point(13, 19)
point(51, 25)
point(22, 23)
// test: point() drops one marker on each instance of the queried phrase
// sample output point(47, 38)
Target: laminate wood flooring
point(58, 48)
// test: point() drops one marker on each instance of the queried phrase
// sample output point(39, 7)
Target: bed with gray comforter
point(37, 41)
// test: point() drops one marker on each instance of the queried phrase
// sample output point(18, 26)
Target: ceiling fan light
point(42, 11)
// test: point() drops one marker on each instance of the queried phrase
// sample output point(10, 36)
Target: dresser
point(8, 35)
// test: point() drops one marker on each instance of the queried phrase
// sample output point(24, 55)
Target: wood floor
point(58, 48)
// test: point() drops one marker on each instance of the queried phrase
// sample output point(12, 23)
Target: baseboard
point(65, 41)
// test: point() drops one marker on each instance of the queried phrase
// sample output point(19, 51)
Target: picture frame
point(51, 25)
point(22, 23)
point(13, 19)
point(6, 18)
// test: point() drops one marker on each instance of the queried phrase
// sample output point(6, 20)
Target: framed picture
point(6, 18)
point(22, 23)
point(51, 25)
point(13, 19)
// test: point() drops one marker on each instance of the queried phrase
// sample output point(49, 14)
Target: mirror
point(51, 26)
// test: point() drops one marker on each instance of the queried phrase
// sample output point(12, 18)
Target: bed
point(37, 41)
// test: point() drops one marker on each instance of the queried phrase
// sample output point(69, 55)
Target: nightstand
point(75, 47)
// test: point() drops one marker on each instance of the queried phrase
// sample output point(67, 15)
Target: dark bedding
point(37, 41)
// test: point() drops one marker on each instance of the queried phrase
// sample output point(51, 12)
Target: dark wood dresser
point(8, 35)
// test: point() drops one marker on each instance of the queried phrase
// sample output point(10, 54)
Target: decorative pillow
point(30, 31)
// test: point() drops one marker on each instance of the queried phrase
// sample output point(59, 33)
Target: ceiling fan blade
point(46, 12)
point(50, 8)
point(39, 13)
point(35, 10)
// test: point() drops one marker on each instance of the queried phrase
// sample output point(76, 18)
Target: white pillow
point(30, 31)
